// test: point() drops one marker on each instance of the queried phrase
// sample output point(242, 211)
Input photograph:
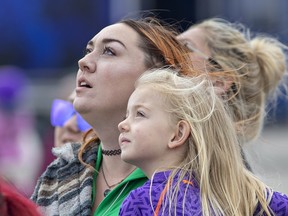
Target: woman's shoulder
point(65, 175)
point(69, 151)
point(66, 152)
point(67, 158)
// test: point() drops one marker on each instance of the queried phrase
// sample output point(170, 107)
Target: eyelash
point(109, 49)
point(139, 113)
point(105, 49)
point(86, 51)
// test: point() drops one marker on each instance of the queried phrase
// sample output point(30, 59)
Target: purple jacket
point(139, 201)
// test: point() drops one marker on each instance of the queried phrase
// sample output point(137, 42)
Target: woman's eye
point(108, 51)
point(189, 47)
point(87, 51)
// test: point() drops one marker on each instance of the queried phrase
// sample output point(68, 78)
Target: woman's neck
point(115, 167)
point(108, 134)
point(107, 131)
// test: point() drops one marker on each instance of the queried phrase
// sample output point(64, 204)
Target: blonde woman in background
point(258, 65)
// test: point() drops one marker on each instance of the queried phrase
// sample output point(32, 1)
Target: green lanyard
point(97, 167)
point(110, 205)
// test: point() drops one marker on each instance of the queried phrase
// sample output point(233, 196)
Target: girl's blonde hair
point(212, 160)
point(258, 63)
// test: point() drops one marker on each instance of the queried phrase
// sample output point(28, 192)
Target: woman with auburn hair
point(91, 179)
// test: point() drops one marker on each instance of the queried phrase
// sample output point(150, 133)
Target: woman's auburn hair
point(157, 40)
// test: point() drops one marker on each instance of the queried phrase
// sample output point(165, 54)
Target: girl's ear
point(181, 134)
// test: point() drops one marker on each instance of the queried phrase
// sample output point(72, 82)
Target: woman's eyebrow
point(109, 40)
point(90, 43)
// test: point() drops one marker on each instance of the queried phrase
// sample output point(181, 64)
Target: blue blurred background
point(53, 33)
point(44, 39)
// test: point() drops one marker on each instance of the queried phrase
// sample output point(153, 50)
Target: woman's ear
point(181, 134)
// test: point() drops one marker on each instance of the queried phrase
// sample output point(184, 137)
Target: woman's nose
point(87, 63)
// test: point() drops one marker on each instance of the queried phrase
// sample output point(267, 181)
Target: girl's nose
point(123, 126)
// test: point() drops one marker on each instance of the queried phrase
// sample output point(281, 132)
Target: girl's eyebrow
point(142, 106)
point(107, 40)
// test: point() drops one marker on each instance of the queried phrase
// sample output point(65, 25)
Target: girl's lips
point(123, 140)
point(79, 90)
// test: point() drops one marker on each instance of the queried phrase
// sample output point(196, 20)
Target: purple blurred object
point(12, 83)
point(62, 111)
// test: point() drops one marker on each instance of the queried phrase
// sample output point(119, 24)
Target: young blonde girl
point(182, 136)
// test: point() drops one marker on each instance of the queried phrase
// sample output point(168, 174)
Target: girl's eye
point(108, 51)
point(140, 114)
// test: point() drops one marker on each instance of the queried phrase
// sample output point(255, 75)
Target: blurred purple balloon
point(12, 83)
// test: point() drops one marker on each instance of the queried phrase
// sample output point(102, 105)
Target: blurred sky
point(51, 34)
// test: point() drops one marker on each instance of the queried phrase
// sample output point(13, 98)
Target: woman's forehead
point(118, 31)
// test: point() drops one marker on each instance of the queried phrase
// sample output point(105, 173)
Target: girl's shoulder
point(279, 203)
